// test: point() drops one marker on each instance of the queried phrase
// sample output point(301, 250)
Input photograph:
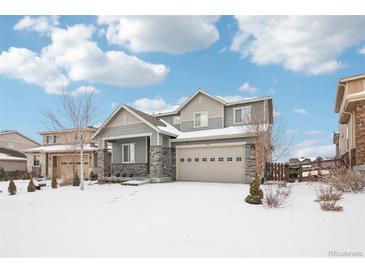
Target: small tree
point(12, 187)
point(31, 186)
point(256, 194)
point(77, 113)
point(2, 174)
point(76, 180)
point(54, 183)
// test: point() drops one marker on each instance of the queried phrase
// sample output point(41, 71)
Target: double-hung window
point(201, 119)
point(128, 153)
point(242, 115)
point(36, 160)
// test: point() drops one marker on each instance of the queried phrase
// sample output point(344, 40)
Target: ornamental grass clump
point(54, 183)
point(12, 187)
point(31, 186)
point(256, 194)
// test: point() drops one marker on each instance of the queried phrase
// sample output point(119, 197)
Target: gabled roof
point(12, 153)
point(149, 120)
point(21, 134)
point(200, 91)
point(66, 130)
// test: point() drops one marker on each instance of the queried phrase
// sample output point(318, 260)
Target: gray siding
point(217, 141)
point(165, 141)
point(126, 130)
point(140, 149)
point(213, 123)
point(256, 107)
point(169, 119)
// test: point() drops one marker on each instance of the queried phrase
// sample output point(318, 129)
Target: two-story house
point(12, 146)
point(59, 156)
point(205, 139)
point(350, 106)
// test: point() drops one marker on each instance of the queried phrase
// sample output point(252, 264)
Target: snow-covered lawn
point(184, 219)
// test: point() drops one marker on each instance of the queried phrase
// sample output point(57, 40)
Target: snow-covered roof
point(62, 148)
point(7, 157)
point(169, 129)
point(228, 132)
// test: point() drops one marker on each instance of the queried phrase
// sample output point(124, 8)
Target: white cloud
point(309, 44)
point(41, 24)
point(72, 55)
point(246, 87)
point(84, 89)
point(235, 98)
point(170, 34)
point(312, 132)
point(313, 148)
point(26, 65)
point(300, 110)
point(362, 50)
point(154, 105)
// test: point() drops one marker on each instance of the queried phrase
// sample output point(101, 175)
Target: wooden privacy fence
point(314, 171)
point(277, 172)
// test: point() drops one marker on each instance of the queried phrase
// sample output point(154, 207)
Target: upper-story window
point(242, 115)
point(36, 160)
point(176, 120)
point(201, 119)
point(51, 139)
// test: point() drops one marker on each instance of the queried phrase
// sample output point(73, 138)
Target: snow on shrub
point(12, 187)
point(276, 195)
point(346, 180)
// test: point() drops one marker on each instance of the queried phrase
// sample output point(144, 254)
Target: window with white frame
point(36, 160)
point(128, 153)
point(201, 119)
point(176, 120)
point(51, 139)
point(242, 115)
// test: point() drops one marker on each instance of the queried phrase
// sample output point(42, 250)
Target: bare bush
point(276, 196)
point(346, 180)
point(329, 198)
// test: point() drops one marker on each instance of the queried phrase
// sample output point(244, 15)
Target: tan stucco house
point(12, 146)
point(205, 139)
point(59, 157)
point(350, 106)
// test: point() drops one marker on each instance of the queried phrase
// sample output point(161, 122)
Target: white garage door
point(223, 163)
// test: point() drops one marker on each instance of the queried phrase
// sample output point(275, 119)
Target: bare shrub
point(346, 180)
point(328, 199)
point(328, 194)
point(276, 196)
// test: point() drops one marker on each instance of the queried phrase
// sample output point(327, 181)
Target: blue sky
point(153, 63)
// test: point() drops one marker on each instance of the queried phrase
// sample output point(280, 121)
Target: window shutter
point(132, 153)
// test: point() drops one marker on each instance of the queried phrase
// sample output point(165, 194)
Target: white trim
point(125, 107)
point(158, 139)
point(126, 136)
point(132, 156)
point(201, 112)
point(226, 136)
point(146, 145)
point(242, 112)
point(212, 145)
point(351, 78)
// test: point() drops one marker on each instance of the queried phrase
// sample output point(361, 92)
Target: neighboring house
point(59, 156)
point(12, 146)
point(205, 139)
point(350, 105)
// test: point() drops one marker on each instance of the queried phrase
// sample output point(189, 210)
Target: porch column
point(156, 161)
point(103, 164)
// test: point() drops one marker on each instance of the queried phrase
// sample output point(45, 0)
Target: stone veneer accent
point(360, 133)
point(162, 162)
point(250, 158)
point(129, 170)
point(104, 163)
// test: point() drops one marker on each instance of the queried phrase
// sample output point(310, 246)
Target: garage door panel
point(218, 163)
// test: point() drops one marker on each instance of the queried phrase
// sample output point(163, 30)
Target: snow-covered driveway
point(184, 219)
